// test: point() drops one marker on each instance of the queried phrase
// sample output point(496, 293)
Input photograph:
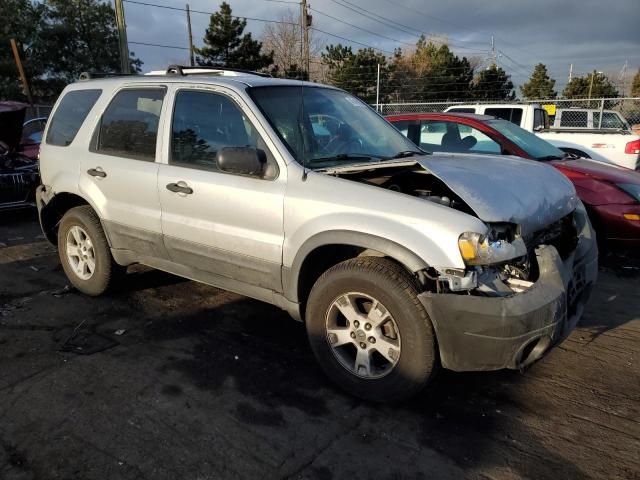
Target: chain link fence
point(37, 111)
point(595, 113)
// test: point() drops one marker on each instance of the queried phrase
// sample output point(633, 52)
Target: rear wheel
point(369, 331)
point(84, 252)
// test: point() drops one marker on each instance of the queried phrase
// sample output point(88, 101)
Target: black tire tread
point(103, 278)
point(405, 286)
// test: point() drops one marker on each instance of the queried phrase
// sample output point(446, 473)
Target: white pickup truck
point(620, 147)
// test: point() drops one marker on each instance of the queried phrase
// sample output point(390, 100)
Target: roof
point(427, 115)
point(238, 81)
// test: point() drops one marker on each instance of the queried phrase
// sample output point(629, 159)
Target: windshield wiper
point(408, 153)
point(551, 157)
point(347, 156)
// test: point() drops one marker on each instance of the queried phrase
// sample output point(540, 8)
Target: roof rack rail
point(182, 70)
point(91, 75)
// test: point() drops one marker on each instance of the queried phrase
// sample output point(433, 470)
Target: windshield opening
point(333, 129)
point(532, 144)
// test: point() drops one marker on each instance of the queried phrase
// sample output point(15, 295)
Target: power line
point(210, 13)
point(359, 28)
point(385, 21)
point(158, 45)
point(367, 14)
point(352, 41)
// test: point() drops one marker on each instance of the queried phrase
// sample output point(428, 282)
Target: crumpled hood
point(506, 189)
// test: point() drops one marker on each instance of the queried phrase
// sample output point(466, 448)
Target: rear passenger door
point(226, 224)
point(119, 172)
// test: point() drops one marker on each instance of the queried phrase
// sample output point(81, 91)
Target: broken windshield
point(330, 127)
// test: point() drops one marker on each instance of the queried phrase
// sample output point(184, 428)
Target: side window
point(609, 120)
point(440, 136)
point(538, 118)
point(70, 115)
point(478, 142)
point(432, 133)
point(574, 118)
point(462, 110)
point(129, 125)
point(409, 128)
point(205, 122)
point(513, 115)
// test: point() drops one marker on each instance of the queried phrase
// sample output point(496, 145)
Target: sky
point(590, 34)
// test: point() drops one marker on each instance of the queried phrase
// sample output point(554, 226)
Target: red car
point(611, 194)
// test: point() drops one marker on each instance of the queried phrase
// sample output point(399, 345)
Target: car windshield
point(527, 141)
point(330, 128)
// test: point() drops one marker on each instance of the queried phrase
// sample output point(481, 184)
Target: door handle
point(97, 172)
point(180, 187)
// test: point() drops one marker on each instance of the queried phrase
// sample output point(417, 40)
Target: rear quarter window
point(462, 110)
point(513, 115)
point(129, 125)
point(574, 119)
point(70, 115)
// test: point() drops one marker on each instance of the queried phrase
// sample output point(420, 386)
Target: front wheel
point(369, 331)
point(84, 252)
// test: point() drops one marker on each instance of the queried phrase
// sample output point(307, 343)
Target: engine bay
point(411, 181)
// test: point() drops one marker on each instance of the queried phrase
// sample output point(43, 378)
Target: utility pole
point(23, 77)
point(494, 57)
point(378, 91)
point(305, 23)
point(192, 60)
point(122, 38)
point(593, 74)
point(623, 78)
point(570, 71)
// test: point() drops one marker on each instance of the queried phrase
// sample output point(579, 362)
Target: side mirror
point(241, 160)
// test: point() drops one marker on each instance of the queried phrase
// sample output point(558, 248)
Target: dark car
point(32, 131)
point(19, 175)
point(611, 194)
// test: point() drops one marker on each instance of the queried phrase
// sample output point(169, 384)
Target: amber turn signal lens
point(632, 216)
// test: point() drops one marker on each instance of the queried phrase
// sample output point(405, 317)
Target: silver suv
point(300, 195)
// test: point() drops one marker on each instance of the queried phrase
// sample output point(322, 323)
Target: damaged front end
point(525, 279)
point(509, 313)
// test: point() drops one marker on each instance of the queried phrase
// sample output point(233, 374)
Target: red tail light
point(632, 147)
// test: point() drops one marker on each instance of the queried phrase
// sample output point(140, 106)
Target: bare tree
point(285, 41)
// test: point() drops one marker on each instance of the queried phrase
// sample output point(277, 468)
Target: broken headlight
point(479, 249)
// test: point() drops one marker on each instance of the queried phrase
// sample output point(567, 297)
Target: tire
point(574, 151)
point(84, 222)
point(410, 334)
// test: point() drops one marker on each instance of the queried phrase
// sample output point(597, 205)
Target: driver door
point(224, 224)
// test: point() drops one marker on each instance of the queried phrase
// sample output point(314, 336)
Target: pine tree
point(540, 85)
point(227, 45)
point(635, 85)
point(354, 72)
point(58, 39)
point(493, 84)
point(430, 72)
point(593, 85)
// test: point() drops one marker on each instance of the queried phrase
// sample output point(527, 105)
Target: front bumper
point(618, 232)
point(491, 333)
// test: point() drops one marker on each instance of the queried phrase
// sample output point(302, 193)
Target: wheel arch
point(54, 208)
point(575, 151)
point(326, 249)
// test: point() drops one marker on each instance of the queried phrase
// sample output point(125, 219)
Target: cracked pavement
point(207, 384)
